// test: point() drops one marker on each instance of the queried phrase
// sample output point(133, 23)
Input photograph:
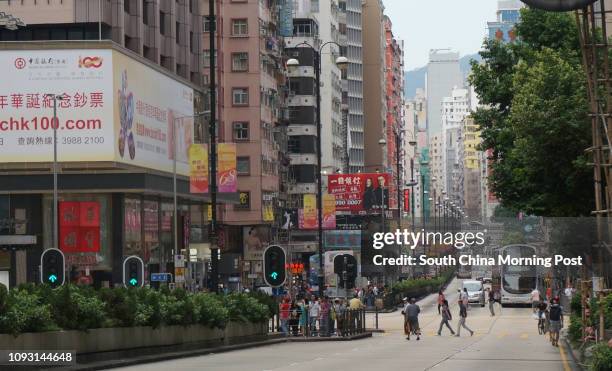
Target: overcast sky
point(438, 24)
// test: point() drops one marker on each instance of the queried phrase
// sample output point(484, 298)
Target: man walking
point(411, 317)
point(491, 296)
point(462, 317)
point(556, 321)
point(446, 316)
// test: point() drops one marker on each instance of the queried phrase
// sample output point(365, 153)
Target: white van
point(475, 291)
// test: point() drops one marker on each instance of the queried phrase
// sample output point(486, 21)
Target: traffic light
point(133, 272)
point(345, 266)
point(52, 268)
point(274, 266)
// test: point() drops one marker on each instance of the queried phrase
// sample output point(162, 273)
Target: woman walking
point(441, 300)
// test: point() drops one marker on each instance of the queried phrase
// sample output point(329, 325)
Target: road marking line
point(566, 365)
point(502, 335)
point(524, 336)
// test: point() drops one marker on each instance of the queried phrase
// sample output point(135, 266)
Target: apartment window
point(208, 24)
point(243, 165)
point(206, 56)
point(244, 200)
point(241, 130)
point(178, 32)
point(162, 23)
point(240, 96)
point(240, 62)
point(240, 27)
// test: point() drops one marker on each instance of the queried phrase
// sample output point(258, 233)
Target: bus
point(517, 281)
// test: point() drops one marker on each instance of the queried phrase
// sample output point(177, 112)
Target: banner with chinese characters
point(308, 215)
point(329, 211)
point(362, 193)
point(267, 202)
point(342, 240)
point(198, 168)
point(110, 108)
point(227, 177)
point(79, 224)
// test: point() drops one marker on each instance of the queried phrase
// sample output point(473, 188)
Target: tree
point(534, 117)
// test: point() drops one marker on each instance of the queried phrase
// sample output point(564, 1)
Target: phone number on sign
point(82, 140)
point(39, 357)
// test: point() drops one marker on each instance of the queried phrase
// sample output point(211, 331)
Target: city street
point(509, 341)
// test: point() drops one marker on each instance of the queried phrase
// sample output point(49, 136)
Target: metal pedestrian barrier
point(349, 322)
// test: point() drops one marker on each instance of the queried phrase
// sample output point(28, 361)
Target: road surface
point(507, 341)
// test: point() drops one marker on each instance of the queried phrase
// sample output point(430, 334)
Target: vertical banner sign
point(227, 177)
point(198, 168)
point(309, 213)
point(79, 227)
point(286, 18)
point(406, 200)
point(329, 211)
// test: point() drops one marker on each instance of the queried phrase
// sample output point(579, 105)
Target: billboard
point(85, 113)
point(362, 193)
point(112, 108)
point(256, 239)
point(79, 226)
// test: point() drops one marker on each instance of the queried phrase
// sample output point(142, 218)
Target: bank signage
point(110, 107)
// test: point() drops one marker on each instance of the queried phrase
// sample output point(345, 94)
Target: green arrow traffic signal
point(133, 282)
point(273, 275)
point(53, 278)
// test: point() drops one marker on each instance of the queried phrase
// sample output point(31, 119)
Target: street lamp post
point(55, 191)
point(340, 62)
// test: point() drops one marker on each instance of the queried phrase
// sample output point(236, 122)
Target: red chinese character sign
point(79, 224)
point(363, 193)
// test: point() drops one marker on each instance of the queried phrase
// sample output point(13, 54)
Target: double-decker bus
point(517, 281)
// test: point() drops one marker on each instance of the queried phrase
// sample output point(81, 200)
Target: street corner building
point(124, 126)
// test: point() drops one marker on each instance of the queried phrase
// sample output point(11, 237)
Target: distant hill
point(415, 79)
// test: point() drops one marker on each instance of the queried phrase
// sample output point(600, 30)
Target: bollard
point(376, 318)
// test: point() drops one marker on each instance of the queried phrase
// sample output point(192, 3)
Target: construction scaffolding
point(595, 29)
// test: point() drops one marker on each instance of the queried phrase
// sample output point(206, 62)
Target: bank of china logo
point(90, 62)
point(20, 63)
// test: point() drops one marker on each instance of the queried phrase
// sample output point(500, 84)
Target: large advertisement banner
point(362, 193)
point(198, 168)
point(82, 79)
point(256, 239)
point(227, 174)
point(153, 117)
point(329, 211)
point(109, 107)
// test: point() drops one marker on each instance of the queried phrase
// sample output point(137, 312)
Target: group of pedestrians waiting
point(315, 317)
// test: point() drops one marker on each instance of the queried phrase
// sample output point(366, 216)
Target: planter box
point(123, 338)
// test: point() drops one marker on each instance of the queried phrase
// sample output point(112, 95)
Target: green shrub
point(244, 308)
point(574, 331)
point(211, 311)
point(120, 306)
point(606, 304)
point(179, 310)
point(602, 358)
point(76, 308)
point(267, 300)
point(25, 313)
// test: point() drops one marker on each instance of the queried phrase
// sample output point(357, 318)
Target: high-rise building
point(251, 79)
point(131, 73)
point(394, 87)
point(443, 74)
point(454, 109)
point(469, 169)
point(415, 120)
point(508, 14)
point(374, 102)
point(354, 76)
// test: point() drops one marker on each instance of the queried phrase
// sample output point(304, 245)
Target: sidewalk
point(165, 356)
